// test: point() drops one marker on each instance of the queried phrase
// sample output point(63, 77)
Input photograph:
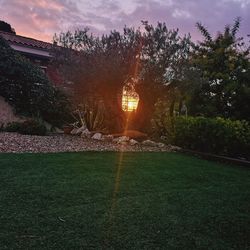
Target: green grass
point(147, 201)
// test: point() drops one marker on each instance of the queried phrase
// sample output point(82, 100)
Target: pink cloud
point(42, 18)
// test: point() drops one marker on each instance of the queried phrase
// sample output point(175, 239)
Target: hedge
point(213, 135)
point(28, 127)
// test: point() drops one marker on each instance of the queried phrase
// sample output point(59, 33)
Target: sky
point(41, 19)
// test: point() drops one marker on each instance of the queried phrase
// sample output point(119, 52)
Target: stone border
point(218, 158)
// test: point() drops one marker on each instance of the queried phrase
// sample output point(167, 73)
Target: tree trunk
point(171, 108)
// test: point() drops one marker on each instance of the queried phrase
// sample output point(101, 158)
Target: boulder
point(160, 145)
point(133, 134)
point(86, 133)
point(164, 138)
point(58, 131)
point(108, 137)
point(174, 148)
point(97, 136)
point(149, 143)
point(123, 143)
point(133, 142)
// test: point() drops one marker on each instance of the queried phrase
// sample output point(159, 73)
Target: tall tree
point(99, 66)
point(163, 70)
point(224, 64)
point(155, 60)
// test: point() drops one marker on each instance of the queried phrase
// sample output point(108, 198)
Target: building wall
point(6, 113)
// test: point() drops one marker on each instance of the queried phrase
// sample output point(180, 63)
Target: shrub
point(32, 127)
point(1, 127)
point(12, 127)
point(29, 127)
point(162, 123)
point(27, 89)
point(213, 135)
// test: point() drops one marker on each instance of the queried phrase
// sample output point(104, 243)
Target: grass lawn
point(97, 200)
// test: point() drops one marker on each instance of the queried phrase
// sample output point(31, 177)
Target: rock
point(133, 142)
point(108, 137)
point(58, 131)
point(149, 143)
point(86, 133)
point(123, 143)
point(174, 148)
point(14, 142)
point(164, 138)
point(160, 145)
point(121, 139)
point(133, 134)
point(97, 136)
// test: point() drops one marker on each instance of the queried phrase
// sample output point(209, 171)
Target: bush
point(32, 127)
point(27, 89)
point(12, 127)
point(29, 127)
point(213, 135)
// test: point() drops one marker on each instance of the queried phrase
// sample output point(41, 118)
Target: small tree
point(224, 64)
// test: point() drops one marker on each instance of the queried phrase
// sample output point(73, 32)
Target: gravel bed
point(17, 143)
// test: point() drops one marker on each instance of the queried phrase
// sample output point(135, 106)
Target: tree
point(164, 70)
point(6, 27)
point(154, 60)
point(99, 68)
point(223, 62)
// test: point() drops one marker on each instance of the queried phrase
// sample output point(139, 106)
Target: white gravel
point(17, 143)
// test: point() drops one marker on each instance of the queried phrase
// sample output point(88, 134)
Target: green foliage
point(1, 127)
point(162, 122)
point(100, 67)
point(28, 127)
point(164, 70)
point(12, 127)
point(155, 60)
point(213, 135)
point(32, 127)
point(28, 90)
point(224, 65)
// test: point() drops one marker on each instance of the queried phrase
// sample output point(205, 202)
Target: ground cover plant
point(122, 201)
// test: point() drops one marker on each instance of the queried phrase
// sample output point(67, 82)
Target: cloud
point(42, 18)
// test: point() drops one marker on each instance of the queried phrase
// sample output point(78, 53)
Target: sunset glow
point(40, 19)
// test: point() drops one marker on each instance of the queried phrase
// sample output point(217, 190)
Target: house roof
point(25, 41)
